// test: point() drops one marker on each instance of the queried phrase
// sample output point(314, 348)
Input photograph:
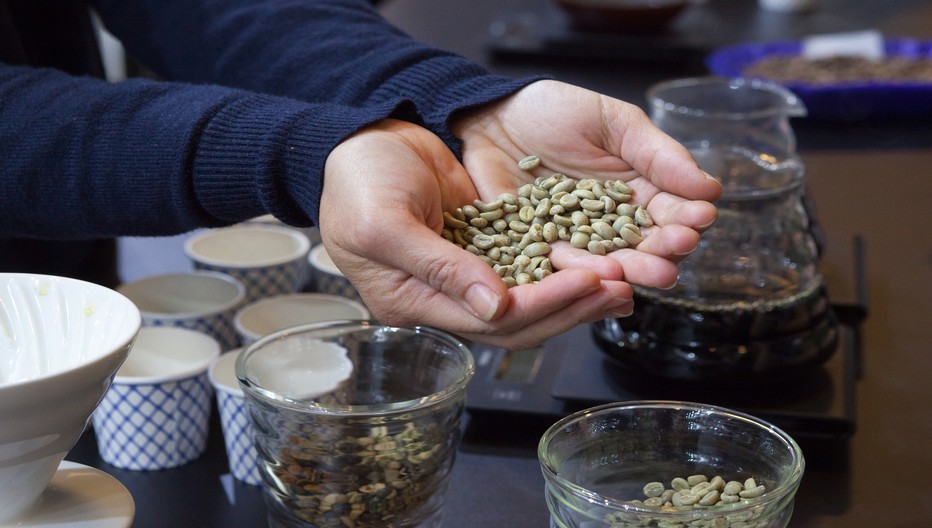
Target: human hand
point(587, 135)
point(381, 212)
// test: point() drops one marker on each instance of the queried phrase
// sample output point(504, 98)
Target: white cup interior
point(272, 314)
point(248, 245)
point(222, 373)
point(184, 294)
point(162, 354)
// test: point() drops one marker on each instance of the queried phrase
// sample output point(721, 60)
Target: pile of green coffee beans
point(513, 232)
point(690, 493)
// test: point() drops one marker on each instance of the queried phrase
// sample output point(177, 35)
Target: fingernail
point(482, 301)
point(709, 176)
point(623, 308)
point(621, 312)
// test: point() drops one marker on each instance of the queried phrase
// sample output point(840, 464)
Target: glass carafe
point(750, 305)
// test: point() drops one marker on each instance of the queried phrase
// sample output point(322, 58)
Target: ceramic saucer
point(81, 497)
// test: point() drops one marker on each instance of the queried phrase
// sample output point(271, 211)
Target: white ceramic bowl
point(270, 315)
point(61, 341)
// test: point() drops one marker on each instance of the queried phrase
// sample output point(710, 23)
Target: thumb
point(448, 268)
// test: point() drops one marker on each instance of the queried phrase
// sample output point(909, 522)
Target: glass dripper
point(750, 303)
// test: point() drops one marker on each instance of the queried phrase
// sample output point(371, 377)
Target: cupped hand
point(583, 134)
point(381, 212)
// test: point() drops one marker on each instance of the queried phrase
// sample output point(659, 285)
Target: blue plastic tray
point(849, 101)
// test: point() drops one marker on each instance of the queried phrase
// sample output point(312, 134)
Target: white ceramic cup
point(270, 315)
point(312, 233)
point(267, 259)
point(326, 277)
point(205, 301)
point(238, 434)
point(156, 413)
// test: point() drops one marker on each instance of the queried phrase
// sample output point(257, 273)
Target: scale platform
point(533, 388)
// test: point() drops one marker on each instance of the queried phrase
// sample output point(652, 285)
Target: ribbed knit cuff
point(264, 154)
point(445, 84)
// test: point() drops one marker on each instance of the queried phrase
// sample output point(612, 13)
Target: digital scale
point(533, 388)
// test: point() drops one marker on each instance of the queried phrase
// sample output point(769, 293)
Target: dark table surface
point(873, 179)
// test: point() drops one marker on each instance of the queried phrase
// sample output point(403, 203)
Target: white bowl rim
point(302, 249)
point(177, 316)
point(312, 258)
point(221, 361)
point(121, 342)
point(197, 366)
point(258, 304)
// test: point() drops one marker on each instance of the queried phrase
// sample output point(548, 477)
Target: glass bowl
point(356, 424)
point(597, 462)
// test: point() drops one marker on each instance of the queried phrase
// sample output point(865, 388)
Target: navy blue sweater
point(254, 97)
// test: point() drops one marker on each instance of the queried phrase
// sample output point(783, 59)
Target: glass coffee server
point(750, 305)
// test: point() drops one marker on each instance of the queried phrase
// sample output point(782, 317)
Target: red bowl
point(622, 16)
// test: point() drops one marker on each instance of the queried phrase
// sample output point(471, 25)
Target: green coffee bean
point(490, 206)
point(631, 234)
point(642, 217)
point(536, 249)
point(588, 213)
point(565, 186)
point(679, 484)
point(685, 498)
point(580, 240)
point(603, 229)
point(711, 498)
point(733, 487)
point(754, 492)
point(717, 483)
point(654, 489)
point(452, 222)
point(595, 247)
point(529, 163)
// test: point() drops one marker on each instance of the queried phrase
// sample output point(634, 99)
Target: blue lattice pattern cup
point(267, 259)
point(238, 434)
point(205, 301)
point(326, 277)
point(157, 411)
point(272, 314)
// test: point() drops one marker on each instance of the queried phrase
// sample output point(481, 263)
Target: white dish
point(81, 497)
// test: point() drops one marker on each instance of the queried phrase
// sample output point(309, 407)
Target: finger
point(564, 256)
point(658, 157)
point(667, 209)
point(670, 242)
point(643, 269)
point(610, 299)
point(448, 268)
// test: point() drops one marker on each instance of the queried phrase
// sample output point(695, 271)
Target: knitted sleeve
point(338, 51)
point(83, 158)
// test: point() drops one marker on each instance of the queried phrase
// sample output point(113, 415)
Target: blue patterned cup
point(234, 419)
point(267, 316)
point(205, 301)
point(267, 259)
point(326, 277)
point(156, 413)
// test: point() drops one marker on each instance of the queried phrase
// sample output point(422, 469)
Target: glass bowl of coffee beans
point(668, 464)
